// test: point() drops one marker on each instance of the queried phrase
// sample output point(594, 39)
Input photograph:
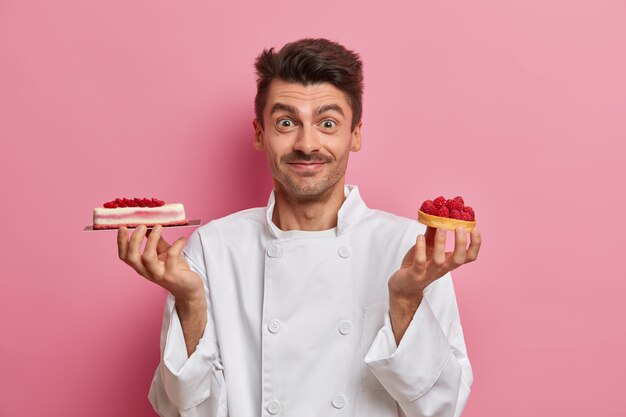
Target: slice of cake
point(131, 213)
point(448, 214)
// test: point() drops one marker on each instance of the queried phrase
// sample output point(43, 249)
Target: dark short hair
point(311, 61)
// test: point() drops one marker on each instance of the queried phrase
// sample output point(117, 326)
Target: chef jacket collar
point(350, 212)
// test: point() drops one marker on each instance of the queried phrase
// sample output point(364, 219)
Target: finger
point(162, 246)
point(173, 253)
point(439, 250)
point(133, 256)
point(151, 243)
point(460, 247)
point(419, 259)
point(408, 257)
point(149, 256)
point(122, 242)
point(474, 247)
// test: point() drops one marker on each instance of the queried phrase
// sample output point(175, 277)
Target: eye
point(329, 124)
point(285, 123)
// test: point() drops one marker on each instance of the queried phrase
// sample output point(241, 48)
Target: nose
point(307, 140)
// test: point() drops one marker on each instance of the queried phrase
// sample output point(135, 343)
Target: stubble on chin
point(306, 190)
point(304, 186)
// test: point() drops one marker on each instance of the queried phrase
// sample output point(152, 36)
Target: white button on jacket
point(339, 401)
point(298, 324)
point(274, 326)
point(345, 327)
point(273, 407)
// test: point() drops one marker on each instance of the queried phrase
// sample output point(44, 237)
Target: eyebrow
point(294, 111)
point(328, 107)
point(286, 107)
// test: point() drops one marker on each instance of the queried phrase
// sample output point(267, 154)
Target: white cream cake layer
point(139, 215)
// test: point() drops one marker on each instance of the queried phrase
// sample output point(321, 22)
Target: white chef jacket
point(298, 324)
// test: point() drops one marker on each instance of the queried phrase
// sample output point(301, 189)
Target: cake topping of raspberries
point(428, 207)
point(135, 202)
point(470, 213)
point(439, 201)
point(443, 211)
point(452, 209)
point(455, 214)
point(454, 205)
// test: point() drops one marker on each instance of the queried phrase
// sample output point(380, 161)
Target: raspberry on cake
point(133, 212)
point(448, 214)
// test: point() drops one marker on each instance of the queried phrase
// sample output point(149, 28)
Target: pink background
point(519, 106)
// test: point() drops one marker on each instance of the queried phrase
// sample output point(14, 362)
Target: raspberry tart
point(133, 212)
point(448, 214)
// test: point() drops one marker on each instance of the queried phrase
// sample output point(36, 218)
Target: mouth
point(307, 166)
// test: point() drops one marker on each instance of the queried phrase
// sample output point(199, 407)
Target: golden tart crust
point(444, 222)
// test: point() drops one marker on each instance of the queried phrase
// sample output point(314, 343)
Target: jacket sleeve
point(429, 373)
point(188, 386)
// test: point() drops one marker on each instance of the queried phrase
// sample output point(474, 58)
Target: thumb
point(162, 245)
point(173, 253)
point(408, 257)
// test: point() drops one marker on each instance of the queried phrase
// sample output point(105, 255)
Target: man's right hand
point(160, 262)
point(165, 265)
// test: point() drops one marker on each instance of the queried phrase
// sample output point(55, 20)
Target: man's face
point(307, 137)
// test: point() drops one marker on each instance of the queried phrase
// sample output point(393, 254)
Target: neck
point(310, 214)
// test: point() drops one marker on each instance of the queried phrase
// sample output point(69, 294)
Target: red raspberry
point(129, 202)
point(443, 211)
point(120, 202)
point(470, 211)
point(428, 207)
point(157, 202)
point(139, 202)
point(148, 202)
point(110, 204)
point(456, 214)
point(439, 202)
point(466, 216)
point(460, 200)
point(454, 205)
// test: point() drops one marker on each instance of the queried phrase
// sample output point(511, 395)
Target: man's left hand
point(423, 264)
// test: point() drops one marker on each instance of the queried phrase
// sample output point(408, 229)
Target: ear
point(355, 144)
point(258, 135)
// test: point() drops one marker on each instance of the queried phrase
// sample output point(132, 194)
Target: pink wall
point(518, 106)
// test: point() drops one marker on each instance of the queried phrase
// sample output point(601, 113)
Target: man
point(299, 308)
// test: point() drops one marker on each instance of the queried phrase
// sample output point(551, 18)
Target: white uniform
point(298, 324)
